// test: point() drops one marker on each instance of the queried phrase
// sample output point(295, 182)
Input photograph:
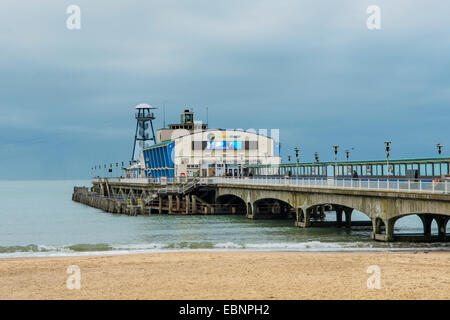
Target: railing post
point(420, 185)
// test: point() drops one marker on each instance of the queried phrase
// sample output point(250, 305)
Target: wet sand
point(230, 275)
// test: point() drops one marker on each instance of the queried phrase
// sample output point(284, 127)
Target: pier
point(305, 201)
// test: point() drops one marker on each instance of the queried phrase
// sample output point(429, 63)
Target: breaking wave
point(107, 249)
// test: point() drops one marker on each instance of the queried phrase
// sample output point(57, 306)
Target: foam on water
point(104, 249)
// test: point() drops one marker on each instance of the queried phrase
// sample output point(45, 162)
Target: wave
point(103, 248)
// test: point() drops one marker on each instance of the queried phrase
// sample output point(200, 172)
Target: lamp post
point(439, 148)
point(335, 148)
point(296, 150)
point(387, 144)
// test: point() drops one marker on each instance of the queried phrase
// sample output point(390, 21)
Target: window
point(444, 168)
point(423, 171)
point(437, 169)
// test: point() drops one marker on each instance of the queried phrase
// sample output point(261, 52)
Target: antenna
point(206, 115)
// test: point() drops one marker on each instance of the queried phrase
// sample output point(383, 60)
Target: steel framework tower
point(144, 117)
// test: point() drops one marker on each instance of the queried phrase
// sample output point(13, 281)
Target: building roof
point(159, 144)
point(144, 106)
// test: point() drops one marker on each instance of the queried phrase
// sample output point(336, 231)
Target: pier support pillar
point(170, 204)
point(178, 203)
point(160, 205)
point(194, 204)
point(442, 226)
point(376, 229)
point(249, 210)
point(348, 217)
point(339, 211)
point(188, 203)
point(304, 218)
point(389, 224)
point(427, 220)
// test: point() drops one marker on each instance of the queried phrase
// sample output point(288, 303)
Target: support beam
point(306, 221)
point(442, 226)
point(348, 217)
point(188, 204)
point(194, 204)
point(170, 204)
point(339, 211)
point(389, 224)
point(427, 220)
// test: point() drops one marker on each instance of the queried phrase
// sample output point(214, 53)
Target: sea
point(39, 218)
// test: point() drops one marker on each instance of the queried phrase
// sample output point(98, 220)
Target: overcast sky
point(309, 68)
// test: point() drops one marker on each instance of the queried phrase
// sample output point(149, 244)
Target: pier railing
point(391, 185)
point(181, 184)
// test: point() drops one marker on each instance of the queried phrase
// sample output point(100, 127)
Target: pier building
point(191, 149)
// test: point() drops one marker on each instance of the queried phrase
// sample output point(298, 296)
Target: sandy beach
point(230, 275)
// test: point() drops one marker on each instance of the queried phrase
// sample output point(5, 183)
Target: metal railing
point(183, 184)
point(365, 184)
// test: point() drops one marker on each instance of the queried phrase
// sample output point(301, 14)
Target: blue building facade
point(159, 160)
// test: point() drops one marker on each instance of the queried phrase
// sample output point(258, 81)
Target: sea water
point(39, 218)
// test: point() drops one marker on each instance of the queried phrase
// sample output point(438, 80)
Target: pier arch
point(434, 228)
point(315, 214)
point(272, 208)
point(230, 204)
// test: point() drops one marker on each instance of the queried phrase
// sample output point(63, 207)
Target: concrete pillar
point(307, 221)
point(170, 204)
point(194, 204)
point(188, 204)
point(427, 220)
point(249, 210)
point(389, 224)
point(348, 216)
point(442, 226)
point(306, 218)
point(142, 208)
point(322, 212)
point(178, 203)
point(160, 205)
point(339, 211)
point(376, 229)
